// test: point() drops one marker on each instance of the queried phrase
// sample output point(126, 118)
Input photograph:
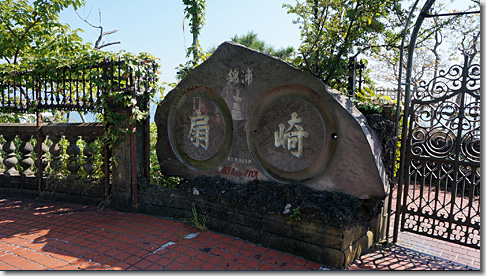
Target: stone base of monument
point(331, 228)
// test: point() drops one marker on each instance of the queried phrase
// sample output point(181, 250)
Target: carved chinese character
point(248, 76)
point(232, 76)
point(199, 132)
point(291, 139)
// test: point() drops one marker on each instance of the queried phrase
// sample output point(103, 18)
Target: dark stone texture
point(385, 130)
point(331, 208)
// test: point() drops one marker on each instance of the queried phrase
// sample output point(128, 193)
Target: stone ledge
point(77, 191)
point(70, 198)
point(331, 246)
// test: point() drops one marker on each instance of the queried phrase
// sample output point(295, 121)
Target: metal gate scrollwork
point(439, 174)
point(442, 159)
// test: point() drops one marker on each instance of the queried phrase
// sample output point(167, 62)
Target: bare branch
point(85, 20)
point(97, 43)
point(108, 44)
point(102, 34)
point(110, 32)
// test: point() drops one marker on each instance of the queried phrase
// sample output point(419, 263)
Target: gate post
point(124, 169)
point(143, 142)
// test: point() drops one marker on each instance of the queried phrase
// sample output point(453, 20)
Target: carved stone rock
point(245, 116)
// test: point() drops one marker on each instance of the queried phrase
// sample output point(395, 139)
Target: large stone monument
point(244, 116)
point(273, 156)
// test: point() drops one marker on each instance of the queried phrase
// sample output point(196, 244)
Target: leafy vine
point(121, 98)
point(194, 11)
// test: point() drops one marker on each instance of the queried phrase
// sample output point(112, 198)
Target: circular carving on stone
point(200, 128)
point(291, 133)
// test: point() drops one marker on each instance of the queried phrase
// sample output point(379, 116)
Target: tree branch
point(341, 51)
point(110, 32)
point(102, 34)
point(23, 36)
point(108, 44)
point(85, 20)
point(8, 27)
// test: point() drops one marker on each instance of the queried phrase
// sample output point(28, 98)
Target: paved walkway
point(416, 252)
point(47, 235)
point(40, 235)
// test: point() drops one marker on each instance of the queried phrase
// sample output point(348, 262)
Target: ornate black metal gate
point(439, 175)
point(442, 160)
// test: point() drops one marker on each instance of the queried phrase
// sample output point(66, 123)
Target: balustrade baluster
point(43, 157)
point(88, 153)
point(56, 150)
point(26, 160)
point(73, 151)
point(11, 159)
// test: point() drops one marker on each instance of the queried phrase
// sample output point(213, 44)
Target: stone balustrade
point(60, 144)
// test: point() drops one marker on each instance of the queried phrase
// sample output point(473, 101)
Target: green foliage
point(251, 40)
point(332, 30)
point(31, 29)
point(398, 148)
point(156, 176)
point(367, 99)
point(295, 214)
point(11, 117)
point(195, 11)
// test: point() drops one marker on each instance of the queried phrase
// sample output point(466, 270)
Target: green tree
point(441, 43)
point(31, 30)
point(251, 40)
point(334, 30)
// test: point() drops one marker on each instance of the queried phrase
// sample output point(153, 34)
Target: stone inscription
point(199, 131)
point(234, 76)
point(239, 160)
point(233, 171)
point(291, 139)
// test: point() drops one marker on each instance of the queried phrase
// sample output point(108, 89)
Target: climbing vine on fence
point(123, 78)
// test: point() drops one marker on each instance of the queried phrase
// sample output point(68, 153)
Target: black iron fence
point(72, 88)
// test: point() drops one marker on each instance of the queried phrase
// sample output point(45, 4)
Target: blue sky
point(155, 26)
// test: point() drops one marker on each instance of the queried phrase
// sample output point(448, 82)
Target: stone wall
point(329, 227)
